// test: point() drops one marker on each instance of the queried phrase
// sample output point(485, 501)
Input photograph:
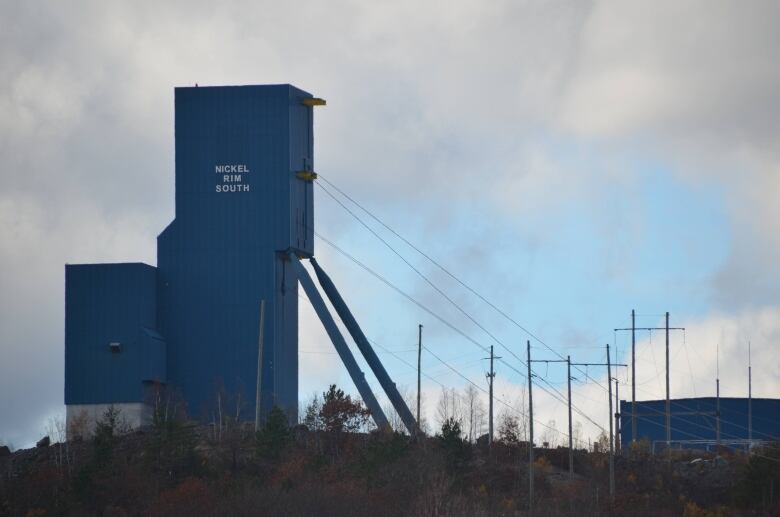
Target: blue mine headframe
point(244, 220)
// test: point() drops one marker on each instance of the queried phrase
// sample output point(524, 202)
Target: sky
point(569, 161)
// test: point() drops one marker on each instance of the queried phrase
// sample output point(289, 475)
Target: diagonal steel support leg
point(338, 342)
point(365, 348)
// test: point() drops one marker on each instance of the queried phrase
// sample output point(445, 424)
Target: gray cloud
point(697, 84)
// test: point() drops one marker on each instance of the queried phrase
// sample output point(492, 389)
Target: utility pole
point(571, 440)
point(617, 416)
point(609, 366)
point(530, 434)
point(750, 400)
point(633, 376)
point(633, 328)
point(611, 438)
point(568, 362)
point(490, 377)
point(717, 399)
point(668, 403)
point(259, 366)
point(490, 410)
point(419, 363)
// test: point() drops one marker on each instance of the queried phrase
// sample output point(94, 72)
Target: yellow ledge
point(314, 101)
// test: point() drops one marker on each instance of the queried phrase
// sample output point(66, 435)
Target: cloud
point(695, 84)
point(694, 70)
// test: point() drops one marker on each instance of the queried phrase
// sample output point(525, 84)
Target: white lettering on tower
point(232, 177)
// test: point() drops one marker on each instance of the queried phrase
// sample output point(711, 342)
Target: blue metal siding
point(155, 369)
point(301, 158)
point(220, 256)
point(107, 303)
point(284, 362)
point(694, 419)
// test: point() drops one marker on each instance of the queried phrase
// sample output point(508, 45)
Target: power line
point(410, 365)
point(462, 283)
point(436, 263)
point(461, 375)
point(518, 411)
point(419, 273)
point(388, 283)
point(400, 291)
point(690, 369)
point(428, 349)
point(559, 396)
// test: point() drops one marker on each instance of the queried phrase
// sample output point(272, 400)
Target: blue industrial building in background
point(244, 220)
point(702, 423)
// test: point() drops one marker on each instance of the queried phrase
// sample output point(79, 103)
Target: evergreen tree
point(275, 435)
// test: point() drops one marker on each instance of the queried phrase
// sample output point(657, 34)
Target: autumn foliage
point(339, 467)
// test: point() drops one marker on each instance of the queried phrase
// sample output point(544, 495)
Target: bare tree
point(395, 420)
point(474, 410)
point(602, 443)
point(550, 434)
point(410, 398)
point(411, 401)
point(577, 435)
point(311, 415)
point(481, 420)
point(79, 427)
point(449, 407)
point(56, 430)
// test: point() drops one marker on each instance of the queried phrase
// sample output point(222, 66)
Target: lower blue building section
point(695, 422)
point(113, 351)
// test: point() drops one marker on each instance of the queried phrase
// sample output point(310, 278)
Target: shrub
point(761, 476)
point(451, 440)
point(275, 435)
point(508, 430)
point(380, 453)
point(105, 431)
point(171, 444)
point(340, 413)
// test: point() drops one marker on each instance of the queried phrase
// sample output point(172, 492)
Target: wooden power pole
point(668, 401)
point(609, 364)
point(611, 436)
point(571, 439)
point(490, 375)
point(419, 370)
point(547, 361)
point(530, 434)
point(717, 400)
point(633, 328)
point(633, 376)
point(617, 416)
point(750, 400)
